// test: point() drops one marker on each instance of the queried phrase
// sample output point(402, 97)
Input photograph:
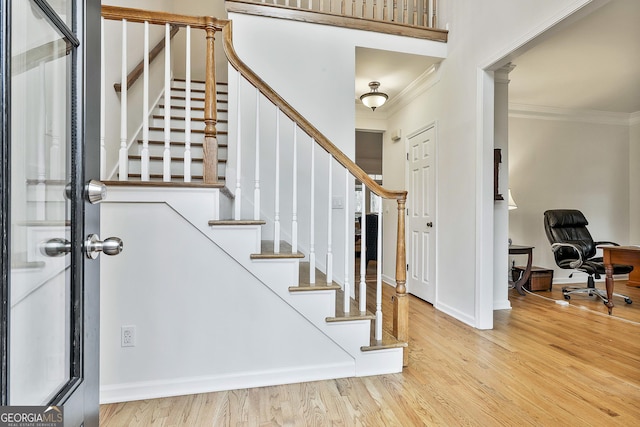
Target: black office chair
point(573, 248)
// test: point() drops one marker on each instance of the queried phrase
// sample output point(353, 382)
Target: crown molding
point(421, 84)
point(539, 112)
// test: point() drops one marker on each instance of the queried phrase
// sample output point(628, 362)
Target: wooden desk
point(626, 255)
point(522, 250)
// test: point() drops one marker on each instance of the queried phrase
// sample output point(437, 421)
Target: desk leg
point(525, 276)
point(608, 268)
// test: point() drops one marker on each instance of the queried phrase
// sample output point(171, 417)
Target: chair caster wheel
point(567, 296)
point(628, 300)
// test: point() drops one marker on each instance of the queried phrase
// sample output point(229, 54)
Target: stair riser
point(198, 93)
point(180, 112)
point(180, 124)
point(196, 102)
point(179, 84)
point(178, 151)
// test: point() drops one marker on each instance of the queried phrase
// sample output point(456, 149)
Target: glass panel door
point(40, 276)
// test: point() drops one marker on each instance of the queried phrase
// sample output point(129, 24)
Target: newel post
point(400, 300)
point(210, 147)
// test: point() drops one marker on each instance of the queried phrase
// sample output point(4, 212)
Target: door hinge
point(407, 156)
point(407, 267)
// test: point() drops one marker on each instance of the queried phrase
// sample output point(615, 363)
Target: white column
point(363, 251)
point(501, 212)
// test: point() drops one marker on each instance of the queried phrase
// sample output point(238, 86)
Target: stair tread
point(197, 119)
point(159, 176)
point(197, 98)
point(236, 222)
point(158, 128)
point(354, 311)
point(266, 251)
point(182, 107)
point(388, 341)
point(163, 184)
point(177, 79)
point(193, 144)
point(173, 159)
point(320, 284)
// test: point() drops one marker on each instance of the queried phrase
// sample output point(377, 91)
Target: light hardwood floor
point(542, 365)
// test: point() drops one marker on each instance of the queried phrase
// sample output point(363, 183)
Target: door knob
point(55, 247)
point(110, 246)
point(430, 224)
point(94, 191)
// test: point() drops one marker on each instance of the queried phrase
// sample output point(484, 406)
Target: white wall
point(313, 71)
point(189, 301)
point(482, 34)
point(561, 164)
point(634, 181)
point(319, 83)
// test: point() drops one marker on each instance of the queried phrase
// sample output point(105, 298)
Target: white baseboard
point(456, 314)
point(126, 392)
point(502, 305)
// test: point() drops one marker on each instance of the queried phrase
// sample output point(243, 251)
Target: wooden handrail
point(304, 124)
point(211, 25)
point(401, 302)
point(138, 15)
point(139, 69)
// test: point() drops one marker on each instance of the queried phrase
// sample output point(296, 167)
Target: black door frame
point(81, 392)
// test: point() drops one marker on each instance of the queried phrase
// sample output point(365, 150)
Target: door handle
point(55, 247)
point(94, 191)
point(430, 224)
point(109, 246)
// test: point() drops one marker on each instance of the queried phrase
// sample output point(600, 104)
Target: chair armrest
point(605, 243)
point(573, 264)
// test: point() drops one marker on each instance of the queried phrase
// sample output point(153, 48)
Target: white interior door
point(421, 201)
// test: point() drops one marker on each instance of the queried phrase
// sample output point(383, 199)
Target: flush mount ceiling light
point(374, 99)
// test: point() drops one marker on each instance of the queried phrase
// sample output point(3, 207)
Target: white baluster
point(312, 217)
point(123, 158)
point(238, 195)
point(166, 157)
point(363, 251)
point(379, 273)
point(103, 108)
point(347, 220)
point(187, 109)
point(144, 154)
point(276, 218)
point(256, 191)
point(294, 208)
point(329, 223)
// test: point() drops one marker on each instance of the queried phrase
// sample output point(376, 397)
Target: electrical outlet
point(128, 336)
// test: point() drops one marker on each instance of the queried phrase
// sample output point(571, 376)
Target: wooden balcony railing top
point(411, 18)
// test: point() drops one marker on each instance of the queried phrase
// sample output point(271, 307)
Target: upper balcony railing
point(412, 18)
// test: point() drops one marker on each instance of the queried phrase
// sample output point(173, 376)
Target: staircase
point(238, 289)
point(178, 110)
